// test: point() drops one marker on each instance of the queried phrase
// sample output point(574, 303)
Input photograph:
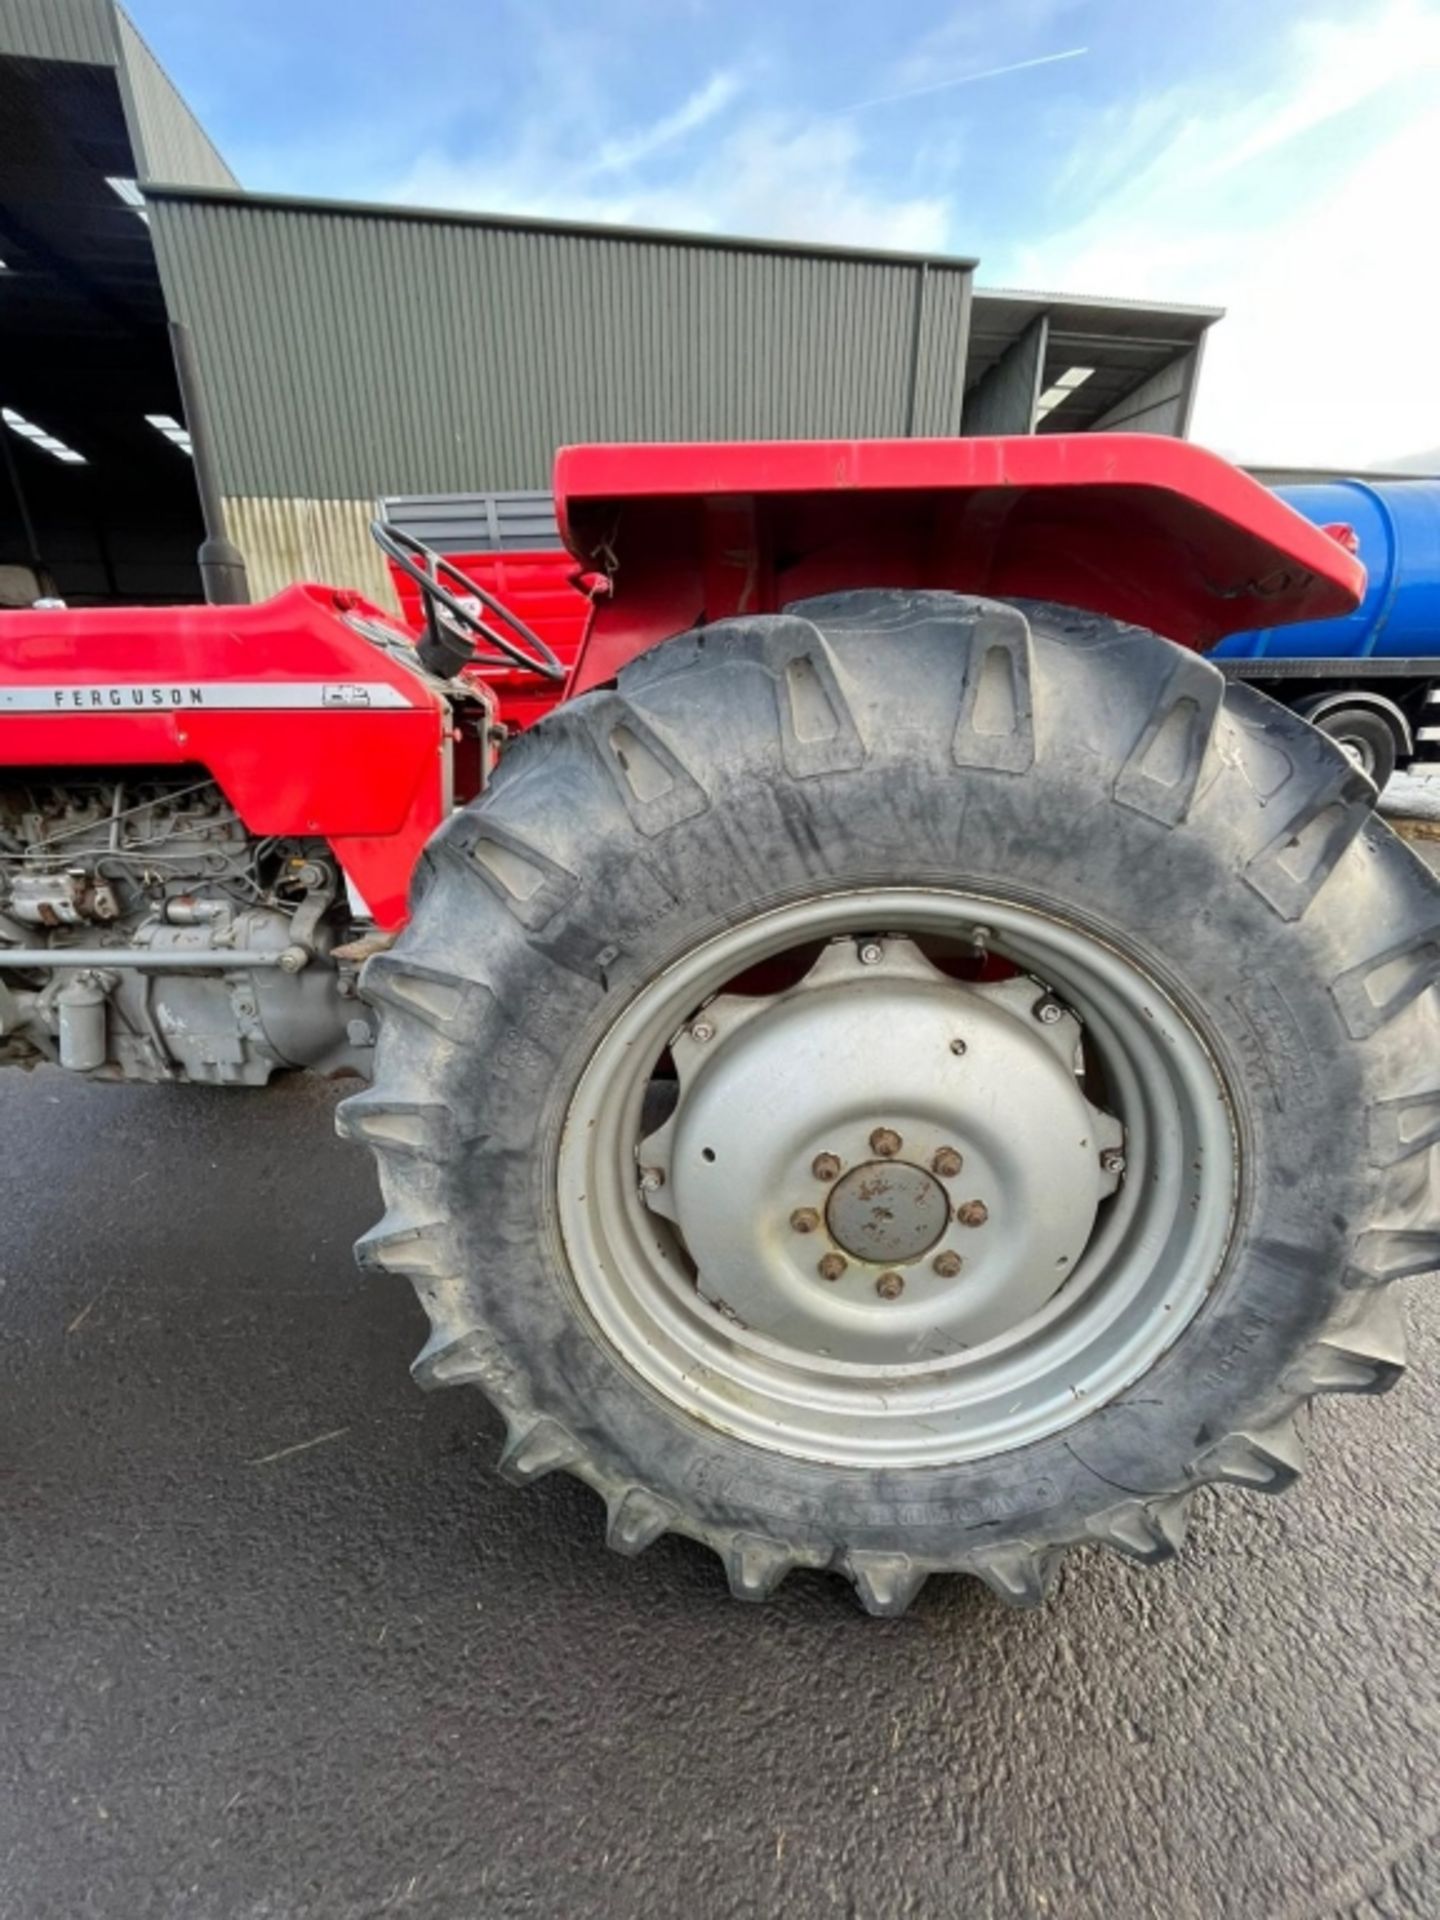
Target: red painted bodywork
point(1140, 527)
point(1133, 525)
point(373, 782)
point(541, 586)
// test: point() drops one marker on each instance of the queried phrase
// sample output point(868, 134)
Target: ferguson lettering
point(88, 697)
point(134, 698)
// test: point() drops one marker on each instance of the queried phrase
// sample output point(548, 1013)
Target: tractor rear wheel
point(911, 1084)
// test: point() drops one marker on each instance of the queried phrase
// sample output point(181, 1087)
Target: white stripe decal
point(198, 696)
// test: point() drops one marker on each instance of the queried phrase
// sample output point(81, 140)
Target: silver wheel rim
point(688, 1255)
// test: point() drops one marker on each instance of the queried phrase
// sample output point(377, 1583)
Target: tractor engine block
point(208, 950)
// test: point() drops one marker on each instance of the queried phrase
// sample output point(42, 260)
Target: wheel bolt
point(957, 1045)
point(702, 1031)
point(972, 1213)
point(805, 1220)
point(886, 1142)
point(1112, 1161)
point(947, 1265)
point(946, 1162)
point(825, 1166)
point(871, 953)
point(651, 1178)
point(890, 1286)
point(832, 1266)
point(1048, 1011)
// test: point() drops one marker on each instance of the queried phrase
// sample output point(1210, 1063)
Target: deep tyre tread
point(1076, 758)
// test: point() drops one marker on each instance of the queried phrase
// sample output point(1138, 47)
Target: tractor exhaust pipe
point(222, 565)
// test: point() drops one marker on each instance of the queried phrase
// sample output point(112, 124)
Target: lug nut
point(946, 1162)
point(702, 1031)
point(890, 1286)
point(871, 953)
point(805, 1220)
point(957, 1045)
point(825, 1166)
point(1112, 1161)
point(947, 1265)
point(972, 1213)
point(832, 1266)
point(1048, 1011)
point(651, 1178)
point(886, 1142)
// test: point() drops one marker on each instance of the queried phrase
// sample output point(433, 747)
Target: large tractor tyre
point(911, 1084)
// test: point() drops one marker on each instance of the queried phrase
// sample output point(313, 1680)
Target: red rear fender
point(1136, 526)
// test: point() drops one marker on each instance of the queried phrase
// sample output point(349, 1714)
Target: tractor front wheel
point(911, 1084)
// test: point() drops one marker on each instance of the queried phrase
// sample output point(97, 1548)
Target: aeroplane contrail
point(960, 80)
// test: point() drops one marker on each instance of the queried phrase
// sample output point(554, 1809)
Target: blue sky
point(1276, 157)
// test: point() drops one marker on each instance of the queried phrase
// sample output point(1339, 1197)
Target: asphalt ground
point(276, 1642)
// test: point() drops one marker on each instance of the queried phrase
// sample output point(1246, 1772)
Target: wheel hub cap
point(857, 1064)
point(887, 1211)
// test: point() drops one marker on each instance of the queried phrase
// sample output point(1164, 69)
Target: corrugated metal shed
point(1141, 361)
point(1004, 398)
point(58, 30)
point(329, 540)
point(170, 142)
point(348, 350)
point(1161, 404)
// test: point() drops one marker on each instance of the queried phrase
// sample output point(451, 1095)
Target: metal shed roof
point(388, 211)
point(1125, 343)
point(165, 137)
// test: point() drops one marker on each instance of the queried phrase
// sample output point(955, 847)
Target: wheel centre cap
point(887, 1211)
point(834, 1138)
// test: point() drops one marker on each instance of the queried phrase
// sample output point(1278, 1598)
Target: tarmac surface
point(276, 1642)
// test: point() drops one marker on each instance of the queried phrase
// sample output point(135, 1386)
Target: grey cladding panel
point(1160, 404)
point(170, 143)
point(348, 354)
point(1004, 398)
point(58, 30)
point(478, 522)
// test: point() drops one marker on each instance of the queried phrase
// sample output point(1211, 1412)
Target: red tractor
point(902, 1070)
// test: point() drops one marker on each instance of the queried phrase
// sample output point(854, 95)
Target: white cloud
point(1305, 211)
point(766, 176)
point(721, 162)
point(617, 156)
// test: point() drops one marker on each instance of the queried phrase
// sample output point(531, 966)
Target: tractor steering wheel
point(455, 632)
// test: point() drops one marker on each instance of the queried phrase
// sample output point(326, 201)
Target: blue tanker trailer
point(1371, 679)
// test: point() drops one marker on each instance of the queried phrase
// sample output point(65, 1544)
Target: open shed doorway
point(98, 503)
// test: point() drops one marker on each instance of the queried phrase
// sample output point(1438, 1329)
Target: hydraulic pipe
point(163, 960)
